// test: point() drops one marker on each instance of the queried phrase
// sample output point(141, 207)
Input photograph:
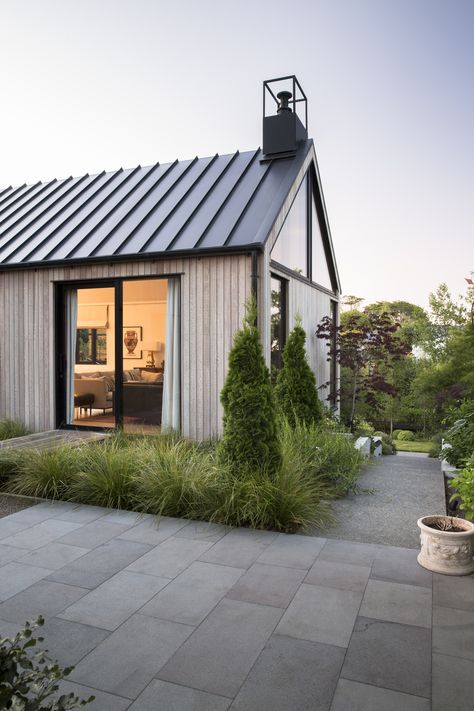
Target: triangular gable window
point(291, 247)
point(319, 267)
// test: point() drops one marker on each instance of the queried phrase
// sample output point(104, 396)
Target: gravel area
point(11, 504)
point(404, 489)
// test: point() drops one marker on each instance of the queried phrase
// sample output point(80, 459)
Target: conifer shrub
point(295, 388)
point(250, 438)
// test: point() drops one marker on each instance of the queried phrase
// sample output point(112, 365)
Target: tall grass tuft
point(105, 474)
point(45, 473)
point(12, 428)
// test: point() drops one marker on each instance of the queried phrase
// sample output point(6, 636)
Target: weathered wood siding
point(213, 293)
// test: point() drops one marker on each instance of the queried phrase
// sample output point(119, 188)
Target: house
point(120, 292)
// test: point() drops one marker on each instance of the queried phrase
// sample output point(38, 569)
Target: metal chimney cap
point(284, 98)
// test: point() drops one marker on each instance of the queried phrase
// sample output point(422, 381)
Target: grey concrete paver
point(396, 602)
point(93, 534)
point(101, 563)
point(114, 601)
point(200, 616)
point(292, 551)
point(68, 642)
point(354, 696)
point(321, 615)
point(453, 683)
point(240, 548)
point(53, 555)
point(42, 598)
point(128, 659)
point(170, 558)
point(350, 552)
point(221, 652)
point(171, 697)
point(103, 701)
point(453, 632)
point(291, 674)
point(267, 585)
point(40, 534)
point(453, 591)
point(390, 655)
point(399, 565)
point(152, 531)
point(15, 577)
point(9, 553)
point(338, 575)
point(191, 596)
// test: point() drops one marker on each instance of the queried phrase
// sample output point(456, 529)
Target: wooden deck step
point(52, 439)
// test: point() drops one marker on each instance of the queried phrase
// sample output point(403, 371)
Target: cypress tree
point(249, 441)
point(295, 387)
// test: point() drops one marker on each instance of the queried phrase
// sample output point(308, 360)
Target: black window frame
point(283, 327)
point(93, 334)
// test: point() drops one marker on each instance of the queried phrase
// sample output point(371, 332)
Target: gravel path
point(405, 488)
point(11, 504)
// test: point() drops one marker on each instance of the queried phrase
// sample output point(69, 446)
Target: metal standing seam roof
point(216, 203)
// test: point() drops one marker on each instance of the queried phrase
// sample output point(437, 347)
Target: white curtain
point(171, 414)
point(71, 331)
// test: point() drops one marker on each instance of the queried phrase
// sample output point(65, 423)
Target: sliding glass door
point(119, 358)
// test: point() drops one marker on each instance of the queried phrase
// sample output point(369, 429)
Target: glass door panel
point(90, 357)
point(144, 350)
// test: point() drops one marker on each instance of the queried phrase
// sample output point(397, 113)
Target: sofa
point(142, 391)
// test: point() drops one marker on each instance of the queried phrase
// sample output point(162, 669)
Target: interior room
point(143, 346)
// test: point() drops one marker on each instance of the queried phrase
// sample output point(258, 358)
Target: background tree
point(250, 439)
point(367, 346)
point(295, 388)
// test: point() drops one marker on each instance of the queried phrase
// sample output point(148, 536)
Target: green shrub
point(395, 434)
point(28, 679)
point(12, 428)
point(464, 483)
point(461, 434)
point(406, 436)
point(250, 432)
point(45, 473)
point(434, 451)
point(387, 448)
point(295, 388)
point(362, 428)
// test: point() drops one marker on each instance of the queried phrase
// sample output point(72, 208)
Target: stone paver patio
point(198, 617)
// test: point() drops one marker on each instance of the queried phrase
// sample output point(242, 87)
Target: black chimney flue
point(284, 131)
point(284, 98)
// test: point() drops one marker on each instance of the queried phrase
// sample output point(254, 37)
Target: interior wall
point(140, 310)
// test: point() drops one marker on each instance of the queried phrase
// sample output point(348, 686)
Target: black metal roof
point(217, 203)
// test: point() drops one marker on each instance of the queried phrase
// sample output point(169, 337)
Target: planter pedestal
point(447, 552)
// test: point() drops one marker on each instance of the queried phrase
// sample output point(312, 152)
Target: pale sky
point(88, 85)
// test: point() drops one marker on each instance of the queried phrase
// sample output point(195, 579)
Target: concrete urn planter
point(447, 545)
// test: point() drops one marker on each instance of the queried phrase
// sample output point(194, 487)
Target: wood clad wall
point(213, 293)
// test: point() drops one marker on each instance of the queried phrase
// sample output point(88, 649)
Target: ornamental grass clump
point(250, 440)
point(47, 474)
point(295, 387)
point(12, 428)
point(105, 473)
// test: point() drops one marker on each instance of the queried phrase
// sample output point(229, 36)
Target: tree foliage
point(366, 345)
point(295, 388)
point(250, 439)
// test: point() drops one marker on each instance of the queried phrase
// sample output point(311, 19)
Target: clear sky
point(87, 85)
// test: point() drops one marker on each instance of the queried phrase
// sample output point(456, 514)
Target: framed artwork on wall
point(132, 337)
